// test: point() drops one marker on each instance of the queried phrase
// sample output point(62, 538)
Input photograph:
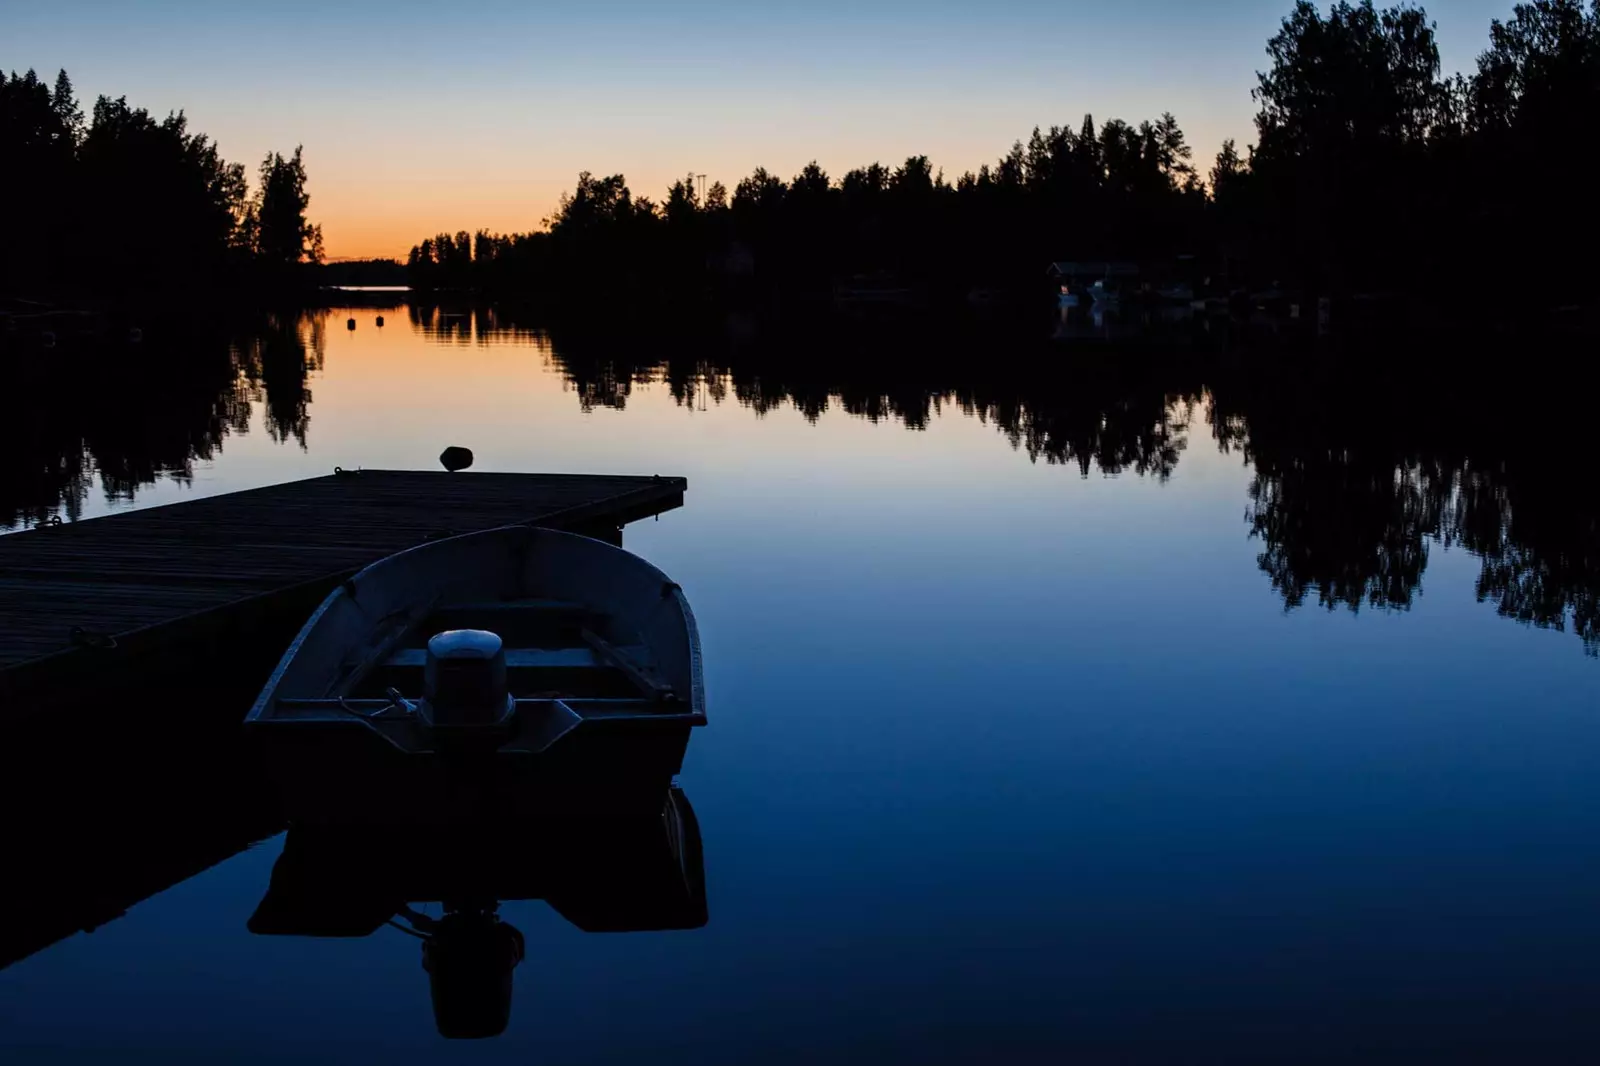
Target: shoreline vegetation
point(1372, 176)
point(117, 205)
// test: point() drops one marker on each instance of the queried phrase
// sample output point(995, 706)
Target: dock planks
point(184, 579)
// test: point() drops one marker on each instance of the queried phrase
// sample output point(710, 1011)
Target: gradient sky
point(418, 118)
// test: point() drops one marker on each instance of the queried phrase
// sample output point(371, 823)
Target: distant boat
point(492, 675)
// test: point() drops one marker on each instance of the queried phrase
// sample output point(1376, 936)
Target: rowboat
point(507, 674)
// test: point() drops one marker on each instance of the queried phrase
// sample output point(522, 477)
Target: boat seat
point(451, 615)
point(520, 658)
point(529, 623)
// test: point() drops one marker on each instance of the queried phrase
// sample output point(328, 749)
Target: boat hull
point(604, 675)
point(349, 778)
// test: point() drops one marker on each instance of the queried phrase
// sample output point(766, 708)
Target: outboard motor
point(464, 686)
point(469, 955)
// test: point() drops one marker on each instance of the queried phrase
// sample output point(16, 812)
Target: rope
point(407, 930)
point(396, 702)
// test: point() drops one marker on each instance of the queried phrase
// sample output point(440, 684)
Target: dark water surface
point(1059, 711)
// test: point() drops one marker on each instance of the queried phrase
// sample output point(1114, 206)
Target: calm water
point(1057, 714)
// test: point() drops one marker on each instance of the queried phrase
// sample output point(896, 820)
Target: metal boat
point(498, 675)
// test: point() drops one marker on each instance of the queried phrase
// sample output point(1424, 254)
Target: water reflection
point(959, 664)
point(1350, 492)
point(1359, 470)
point(616, 877)
point(110, 809)
point(150, 413)
point(274, 367)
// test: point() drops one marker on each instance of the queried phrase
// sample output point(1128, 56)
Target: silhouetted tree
point(127, 202)
point(1371, 172)
point(159, 201)
point(64, 104)
point(1346, 112)
point(1053, 195)
point(1226, 171)
point(284, 236)
point(1535, 93)
point(39, 135)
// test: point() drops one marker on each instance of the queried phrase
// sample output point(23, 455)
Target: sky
point(419, 118)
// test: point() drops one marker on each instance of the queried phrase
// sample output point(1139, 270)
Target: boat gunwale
point(258, 714)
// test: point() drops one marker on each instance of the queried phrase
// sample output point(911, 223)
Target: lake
point(1090, 703)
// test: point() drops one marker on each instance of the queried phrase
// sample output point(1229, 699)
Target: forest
point(1371, 171)
point(118, 200)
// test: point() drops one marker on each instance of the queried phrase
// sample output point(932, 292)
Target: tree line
point(119, 199)
point(1370, 171)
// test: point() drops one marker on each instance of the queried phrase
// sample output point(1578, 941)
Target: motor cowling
point(464, 679)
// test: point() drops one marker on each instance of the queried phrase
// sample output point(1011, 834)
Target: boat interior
point(554, 650)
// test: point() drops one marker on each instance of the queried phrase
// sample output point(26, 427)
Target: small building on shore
point(1087, 272)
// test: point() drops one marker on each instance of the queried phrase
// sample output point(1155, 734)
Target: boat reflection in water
point(617, 875)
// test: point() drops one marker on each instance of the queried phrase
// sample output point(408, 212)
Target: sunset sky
point(418, 118)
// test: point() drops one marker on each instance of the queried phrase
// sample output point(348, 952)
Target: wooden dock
point(182, 588)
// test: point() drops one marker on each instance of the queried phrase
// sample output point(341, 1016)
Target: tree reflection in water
point(129, 416)
point(1361, 463)
point(1356, 474)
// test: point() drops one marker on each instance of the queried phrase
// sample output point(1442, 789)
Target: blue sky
point(423, 117)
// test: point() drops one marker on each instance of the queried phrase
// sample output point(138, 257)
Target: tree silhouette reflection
point(1356, 476)
point(1358, 471)
point(125, 418)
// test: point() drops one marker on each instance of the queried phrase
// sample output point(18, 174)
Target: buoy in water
point(455, 458)
point(380, 322)
point(350, 325)
point(135, 335)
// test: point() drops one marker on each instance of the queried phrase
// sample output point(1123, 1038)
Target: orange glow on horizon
point(385, 221)
point(376, 202)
